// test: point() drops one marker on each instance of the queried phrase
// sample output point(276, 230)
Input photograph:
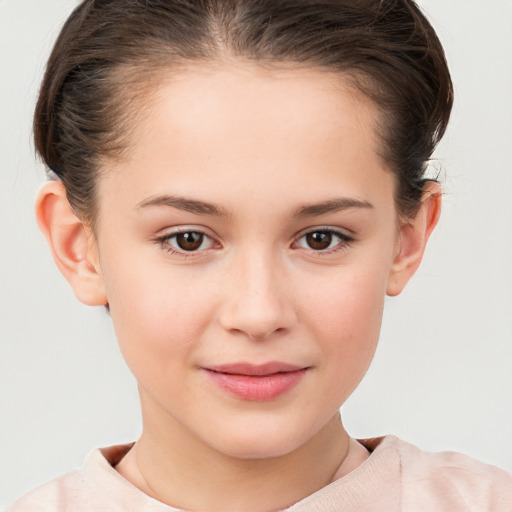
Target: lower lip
point(257, 388)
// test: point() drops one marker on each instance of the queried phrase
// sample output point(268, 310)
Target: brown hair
point(110, 51)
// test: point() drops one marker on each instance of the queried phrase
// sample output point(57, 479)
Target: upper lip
point(255, 369)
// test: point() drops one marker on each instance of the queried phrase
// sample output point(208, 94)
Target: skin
point(263, 146)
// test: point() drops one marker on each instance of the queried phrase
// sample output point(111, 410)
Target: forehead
point(248, 100)
point(257, 128)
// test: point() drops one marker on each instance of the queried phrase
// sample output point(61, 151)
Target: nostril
point(258, 305)
point(260, 336)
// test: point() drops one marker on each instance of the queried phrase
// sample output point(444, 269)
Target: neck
point(176, 468)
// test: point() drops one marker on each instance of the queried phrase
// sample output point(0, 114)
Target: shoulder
point(451, 481)
point(53, 496)
point(95, 487)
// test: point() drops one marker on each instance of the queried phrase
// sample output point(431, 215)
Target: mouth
point(256, 382)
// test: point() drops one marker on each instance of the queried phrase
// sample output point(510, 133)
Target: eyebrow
point(205, 208)
point(185, 204)
point(331, 206)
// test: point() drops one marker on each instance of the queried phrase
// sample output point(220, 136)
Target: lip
point(256, 382)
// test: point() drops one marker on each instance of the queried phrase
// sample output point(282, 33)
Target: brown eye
point(189, 241)
point(319, 240)
point(324, 240)
point(186, 243)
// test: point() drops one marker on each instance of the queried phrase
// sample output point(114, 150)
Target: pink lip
point(256, 382)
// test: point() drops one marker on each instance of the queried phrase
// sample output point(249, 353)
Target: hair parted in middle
point(112, 54)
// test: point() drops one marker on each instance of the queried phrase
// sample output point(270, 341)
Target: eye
point(186, 241)
point(324, 240)
point(189, 241)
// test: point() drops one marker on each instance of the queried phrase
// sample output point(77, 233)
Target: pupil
point(190, 241)
point(319, 240)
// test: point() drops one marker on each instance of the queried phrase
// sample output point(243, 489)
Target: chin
point(260, 439)
point(259, 448)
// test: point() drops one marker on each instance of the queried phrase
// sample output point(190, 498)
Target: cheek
point(345, 314)
point(158, 317)
point(346, 303)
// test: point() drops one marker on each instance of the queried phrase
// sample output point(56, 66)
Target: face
point(245, 246)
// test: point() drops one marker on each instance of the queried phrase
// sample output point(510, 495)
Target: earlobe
point(71, 242)
point(413, 238)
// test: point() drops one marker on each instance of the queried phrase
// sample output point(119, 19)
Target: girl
point(241, 183)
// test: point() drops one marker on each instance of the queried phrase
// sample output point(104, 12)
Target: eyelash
point(344, 241)
point(164, 242)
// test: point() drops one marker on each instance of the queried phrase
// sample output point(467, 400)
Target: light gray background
point(442, 376)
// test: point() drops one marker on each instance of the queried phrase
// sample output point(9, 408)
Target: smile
point(256, 382)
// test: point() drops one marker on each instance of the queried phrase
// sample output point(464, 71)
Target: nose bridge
point(257, 305)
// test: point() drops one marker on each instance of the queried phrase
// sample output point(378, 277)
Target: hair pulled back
point(111, 53)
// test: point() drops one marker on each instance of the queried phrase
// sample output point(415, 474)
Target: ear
point(72, 244)
point(413, 237)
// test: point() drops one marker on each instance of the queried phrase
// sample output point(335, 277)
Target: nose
point(257, 302)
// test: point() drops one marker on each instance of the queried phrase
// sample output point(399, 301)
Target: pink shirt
point(396, 477)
